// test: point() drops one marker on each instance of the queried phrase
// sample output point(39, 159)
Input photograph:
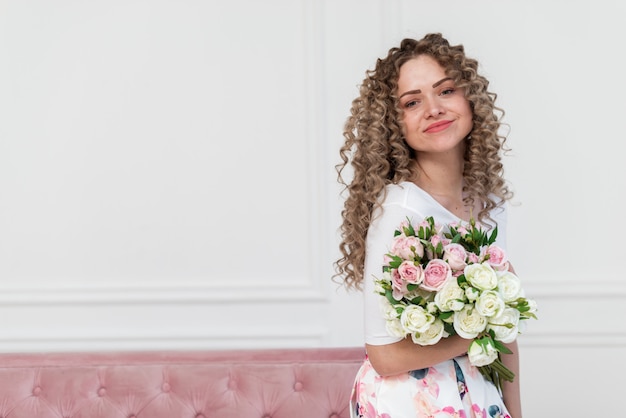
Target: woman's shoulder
point(397, 191)
point(401, 192)
point(409, 195)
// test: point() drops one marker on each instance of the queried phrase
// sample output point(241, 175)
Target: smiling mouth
point(438, 126)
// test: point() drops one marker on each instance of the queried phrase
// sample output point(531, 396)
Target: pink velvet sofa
point(268, 383)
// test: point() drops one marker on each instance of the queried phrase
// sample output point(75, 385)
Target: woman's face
point(437, 116)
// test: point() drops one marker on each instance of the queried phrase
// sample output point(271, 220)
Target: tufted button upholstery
point(270, 383)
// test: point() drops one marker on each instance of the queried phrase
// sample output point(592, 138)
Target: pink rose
point(423, 224)
point(462, 230)
point(496, 257)
point(472, 258)
point(410, 272)
point(435, 275)
point(398, 285)
point(403, 225)
point(455, 255)
point(407, 247)
point(434, 241)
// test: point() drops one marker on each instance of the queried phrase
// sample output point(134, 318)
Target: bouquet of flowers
point(439, 281)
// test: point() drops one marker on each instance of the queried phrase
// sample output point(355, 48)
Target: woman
point(422, 140)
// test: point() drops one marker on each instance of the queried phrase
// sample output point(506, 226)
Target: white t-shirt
point(403, 200)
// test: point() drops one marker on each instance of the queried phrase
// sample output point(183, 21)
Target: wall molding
point(162, 293)
point(71, 293)
point(141, 340)
point(573, 339)
point(575, 288)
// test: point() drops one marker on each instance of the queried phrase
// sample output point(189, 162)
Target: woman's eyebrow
point(443, 80)
point(418, 91)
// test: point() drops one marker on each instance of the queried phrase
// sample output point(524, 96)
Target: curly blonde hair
point(376, 150)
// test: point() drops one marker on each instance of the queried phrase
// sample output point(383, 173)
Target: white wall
point(162, 176)
point(167, 173)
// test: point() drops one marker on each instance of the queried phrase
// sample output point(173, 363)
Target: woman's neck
point(444, 182)
point(441, 177)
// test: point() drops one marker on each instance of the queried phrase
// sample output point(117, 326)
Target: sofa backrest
point(267, 383)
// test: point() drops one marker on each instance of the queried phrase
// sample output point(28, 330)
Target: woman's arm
point(511, 390)
point(405, 355)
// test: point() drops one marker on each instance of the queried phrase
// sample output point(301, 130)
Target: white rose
point(416, 319)
point(509, 286)
point(471, 293)
point(506, 325)
point(394, 328)
point(481, 276)
point(431, 336)
point(529, 306)
point(489, 303)
point(532, 305)
point(468, 323)
point(431, 307)
point(378, 288)
point(482, 353)
point(419, 292)
point(450, 297)
point(388, 310)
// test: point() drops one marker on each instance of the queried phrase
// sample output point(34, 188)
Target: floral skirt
point(453, 388)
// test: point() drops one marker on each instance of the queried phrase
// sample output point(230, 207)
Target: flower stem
point(497, 372)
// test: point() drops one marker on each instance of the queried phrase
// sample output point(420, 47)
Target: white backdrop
point(167, 173)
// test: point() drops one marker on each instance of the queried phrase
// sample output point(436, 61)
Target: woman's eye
point(447, 91)
point(411, 103)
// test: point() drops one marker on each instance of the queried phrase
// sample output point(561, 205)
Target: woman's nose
point(433, 108)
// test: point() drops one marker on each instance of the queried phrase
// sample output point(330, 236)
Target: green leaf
point(449, 328)
point(445, 315)
point(461, 280)
point(417, 300)
point(494, 234)
point(409, 230)
point(390, 298)
point(395, 261)
point(501, 347)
